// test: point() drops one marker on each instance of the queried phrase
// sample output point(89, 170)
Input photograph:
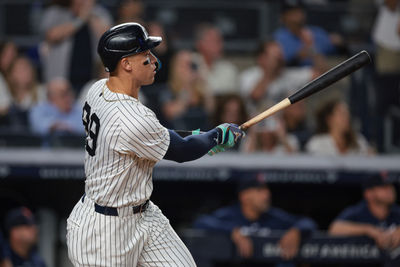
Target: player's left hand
point(231, 134)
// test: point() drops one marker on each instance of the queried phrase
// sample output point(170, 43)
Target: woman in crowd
point(335, 135)
point(230, 108)
point(186, 103)
point(8, 53)
point(25, 90)
point(271, 136)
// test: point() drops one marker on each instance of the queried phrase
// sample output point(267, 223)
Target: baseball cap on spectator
point(377, 179)
point(19, 216)
point(291, 4)
point(251, 182)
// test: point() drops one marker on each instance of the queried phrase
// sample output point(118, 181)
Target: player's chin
point(149, 81)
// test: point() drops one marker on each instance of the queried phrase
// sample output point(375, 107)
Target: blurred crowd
point(42, 93)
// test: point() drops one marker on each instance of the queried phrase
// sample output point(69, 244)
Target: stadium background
point(49, 180)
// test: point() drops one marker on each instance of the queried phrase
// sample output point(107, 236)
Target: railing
point(208, 247)
point(281, 169)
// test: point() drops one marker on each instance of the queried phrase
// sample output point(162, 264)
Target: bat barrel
point(340, 71)
point(333, 75)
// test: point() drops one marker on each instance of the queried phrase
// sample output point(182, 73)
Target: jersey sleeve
point(142, 134)
point(222, 220)
point(348, 214)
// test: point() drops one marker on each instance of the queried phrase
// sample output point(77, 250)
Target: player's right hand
point(216, 149)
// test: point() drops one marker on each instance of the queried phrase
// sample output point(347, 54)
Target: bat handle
point(272, 110)
point(243, 127)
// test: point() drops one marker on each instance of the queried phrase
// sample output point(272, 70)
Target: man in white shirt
point(386, 35)
point(269, 81)
point(221, 75)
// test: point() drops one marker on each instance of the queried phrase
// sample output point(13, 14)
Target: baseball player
point(115, 223)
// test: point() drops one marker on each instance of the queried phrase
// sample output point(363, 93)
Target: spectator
point(269, 81)
point(294, 119)
point(377, 216)
point(163, 51)
point(71, 32)
point(254, 214)
point(59, 114)
point(335, 135)
point(221, 74)
point(130, 11)
point(386, 35)
point(303, 45)
point(4, 257)
point(25, 90)
point(186, 103)
point(8, 53)
point(22, 237)
point(270, 136)
point(101, 73)
point(230, 108)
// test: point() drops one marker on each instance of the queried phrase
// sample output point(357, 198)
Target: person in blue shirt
point(377, 216)
point(22, 238)
point(303, 45)
point(60, 114)
point(254, 213)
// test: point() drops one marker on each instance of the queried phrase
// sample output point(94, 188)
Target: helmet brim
point(153, 41)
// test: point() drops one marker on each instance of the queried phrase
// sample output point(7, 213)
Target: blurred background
point(222, 61)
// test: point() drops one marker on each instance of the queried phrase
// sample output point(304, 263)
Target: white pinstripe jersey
point(124, 141)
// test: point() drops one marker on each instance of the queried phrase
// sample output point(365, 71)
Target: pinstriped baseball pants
point(143, 239)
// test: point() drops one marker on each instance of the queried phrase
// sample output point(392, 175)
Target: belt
point(110, 211)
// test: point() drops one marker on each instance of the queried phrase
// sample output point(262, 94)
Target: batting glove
point(217, 149)
point(230, 135)
point(196, 132)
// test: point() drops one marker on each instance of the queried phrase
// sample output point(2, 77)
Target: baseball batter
point(115, 223)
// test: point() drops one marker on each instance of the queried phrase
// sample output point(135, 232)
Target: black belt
point(114, 211)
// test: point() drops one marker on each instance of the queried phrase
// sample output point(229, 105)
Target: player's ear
point(126, 64)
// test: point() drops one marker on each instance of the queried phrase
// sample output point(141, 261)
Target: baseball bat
point(331, 76)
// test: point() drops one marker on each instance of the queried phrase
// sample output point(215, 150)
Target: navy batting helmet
point(124, 40)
